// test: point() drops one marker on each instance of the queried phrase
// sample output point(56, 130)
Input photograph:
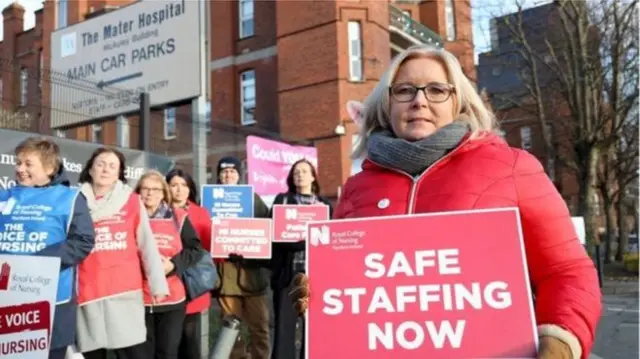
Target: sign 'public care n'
point(102, 65)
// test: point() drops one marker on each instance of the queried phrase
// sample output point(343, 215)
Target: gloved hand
point(236, 258)
point(552, 348)
point(300, 293)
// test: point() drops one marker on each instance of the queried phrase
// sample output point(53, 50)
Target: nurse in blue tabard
point(60, 214)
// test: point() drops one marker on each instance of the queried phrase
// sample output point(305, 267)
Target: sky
point(482, 12)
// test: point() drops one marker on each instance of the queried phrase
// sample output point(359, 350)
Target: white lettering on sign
point(21, 319)
point(15, 239)
point(107, 241)
point(424, 297)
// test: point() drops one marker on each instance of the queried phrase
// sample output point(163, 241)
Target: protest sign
point(28, 287)
point(248, 237)
point(224, 201)
point(290, 221)
point(447, 285)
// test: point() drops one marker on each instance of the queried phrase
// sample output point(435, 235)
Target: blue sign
point(225, 201)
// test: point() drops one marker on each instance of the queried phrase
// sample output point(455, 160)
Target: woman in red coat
point(430, 146)
point(184, 195)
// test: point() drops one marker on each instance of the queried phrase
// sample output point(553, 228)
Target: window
point(96, 133)
point(551, 168)
point(1, 91)
point(355, 51)
point(122, 131)
point(247, 97)
point(495, 43)
point(62, 13)
point(24, 86)
point(246, 18)
point(41, 72)
point(356, 164)
point(450, 19)
point(170, 123)
point(525, 137)
point(207, 116)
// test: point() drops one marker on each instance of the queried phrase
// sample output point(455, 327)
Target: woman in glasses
point(430, 146)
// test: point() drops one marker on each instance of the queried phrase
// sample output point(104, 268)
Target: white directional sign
point(102, 65)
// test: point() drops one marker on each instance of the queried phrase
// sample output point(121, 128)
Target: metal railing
point(405, 23)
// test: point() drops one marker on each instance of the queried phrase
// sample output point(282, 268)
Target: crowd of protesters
point(130, 249)
point(430, 146)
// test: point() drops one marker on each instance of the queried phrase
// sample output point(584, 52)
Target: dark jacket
point(191, 253)
point(247, 277)
point(79, 243)
point(282, 270)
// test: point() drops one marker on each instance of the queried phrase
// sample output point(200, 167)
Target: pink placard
point(290, 221)
point(248, 237)
point(437, 286)
point(269, 162)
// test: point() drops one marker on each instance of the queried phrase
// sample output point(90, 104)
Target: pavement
point(617, 335)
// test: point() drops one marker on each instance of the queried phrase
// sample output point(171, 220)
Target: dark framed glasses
point(434, 92)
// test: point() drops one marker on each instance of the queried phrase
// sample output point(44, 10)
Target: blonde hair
point(469, 106)
point(157, 176)
point(46, 149)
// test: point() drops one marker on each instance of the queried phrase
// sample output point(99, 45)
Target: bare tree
point(573, 67)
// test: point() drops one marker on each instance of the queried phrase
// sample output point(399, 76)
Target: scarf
point(109, 204)
point(163, 211)
point(413, 158)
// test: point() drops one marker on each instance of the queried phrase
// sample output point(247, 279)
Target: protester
point(42, 182)
point(184, 196)
point(111, 306)
point(288, 258)
point(430, 140)
point(244, 282)
point(179, 248)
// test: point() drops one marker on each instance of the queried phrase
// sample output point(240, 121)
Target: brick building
point(504, 75)
point(279, 69)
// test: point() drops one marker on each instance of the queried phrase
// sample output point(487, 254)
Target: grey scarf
point(414, 158)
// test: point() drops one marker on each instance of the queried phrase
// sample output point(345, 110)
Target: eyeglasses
point(434, 92)
point(150, 190)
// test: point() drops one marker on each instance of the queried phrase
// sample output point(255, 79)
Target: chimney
point(39, 19)
point(13, 19)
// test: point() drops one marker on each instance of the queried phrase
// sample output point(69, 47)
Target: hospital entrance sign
point(100, 66)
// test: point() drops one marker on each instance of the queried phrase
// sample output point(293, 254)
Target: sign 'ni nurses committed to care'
point(438, 286)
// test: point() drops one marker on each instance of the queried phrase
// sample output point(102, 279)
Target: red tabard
point(167, 234)
point(113, 267)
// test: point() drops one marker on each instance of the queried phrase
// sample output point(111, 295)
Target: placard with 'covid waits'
point(290, 221)
point(28, 288)
point(248, 237)
point(437, 286)
point(224, 201)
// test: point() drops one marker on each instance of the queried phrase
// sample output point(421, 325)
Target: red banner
point(290, 221)
point(449, 285)
point(248, 237)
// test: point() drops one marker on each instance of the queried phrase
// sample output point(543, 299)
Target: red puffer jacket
point(201, 221)
point(487, 173)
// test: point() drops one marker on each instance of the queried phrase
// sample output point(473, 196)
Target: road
point(617, 336)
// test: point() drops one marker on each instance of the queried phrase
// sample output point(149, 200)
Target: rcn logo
point(7, 207)
point(218, 193)
point(320, 236)
point(291, 213)
point(5, 274)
